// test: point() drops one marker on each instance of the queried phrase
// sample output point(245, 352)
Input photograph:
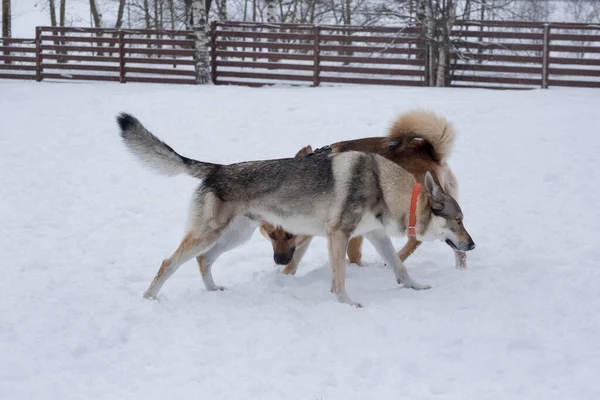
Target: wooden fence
point(525, 55)
point(159, 56)
point(482, 54)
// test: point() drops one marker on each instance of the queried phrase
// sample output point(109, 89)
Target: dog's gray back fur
point(281, 188)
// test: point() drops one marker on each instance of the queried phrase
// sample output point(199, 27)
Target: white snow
point(83, 229)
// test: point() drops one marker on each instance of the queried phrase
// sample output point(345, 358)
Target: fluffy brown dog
point(419, 141)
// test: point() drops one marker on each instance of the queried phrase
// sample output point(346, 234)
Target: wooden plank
point(368, 39)
point(253, 75)
point(79, 39)
point(500, 46)
point(568, 83)
point(263, 55)
point(494, 79)
point(497, 68)
point(574, 71)
point(18, 76)
point(156, 71)
point(17, 58)
point(374, 29)
point(162, 52)
point(171, 61)
point(179, 81)
point(107, 31)
point(164, 42)
point(80, 77)
point(80, 67)
point(267, 65)
point(574, 61)
point(574, 38)
point(14, 49)
point(374, 60)
point(94, 49)
point(8, 41)
point(239, 83)
point(265, 45)
point(478, 86)
point(375, 71)
point(503, 24)
point(499, 57)
point(497, 34)
point(575, 49)
point(265, 35)
point(71, 57)
point(369, 49)
point(17, 67)
point(370, 81)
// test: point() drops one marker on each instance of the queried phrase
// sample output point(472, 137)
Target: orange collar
point(412, 221)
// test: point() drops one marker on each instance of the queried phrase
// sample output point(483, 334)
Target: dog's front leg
point(300, 251)
point(338, 243)
point(385, 248)
point(409, 248)
point(461, 259)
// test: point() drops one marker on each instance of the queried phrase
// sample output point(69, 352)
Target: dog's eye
point(272, 235)
point(287, 236)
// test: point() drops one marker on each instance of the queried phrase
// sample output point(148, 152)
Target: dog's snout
point(471, 245)
point(282, 259)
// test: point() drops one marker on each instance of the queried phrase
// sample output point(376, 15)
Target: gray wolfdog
point(338, 196)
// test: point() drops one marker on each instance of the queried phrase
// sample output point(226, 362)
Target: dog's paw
point(216, 288)
point(148, 294)
point(461, 267)
point(414, 285)
point(287, 270)
point(357, 305)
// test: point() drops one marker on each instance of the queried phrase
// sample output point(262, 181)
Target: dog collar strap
point(412, 219)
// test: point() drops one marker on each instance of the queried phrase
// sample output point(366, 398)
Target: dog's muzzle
point(282, 259)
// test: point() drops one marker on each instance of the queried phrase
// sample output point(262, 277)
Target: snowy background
point(84, 228)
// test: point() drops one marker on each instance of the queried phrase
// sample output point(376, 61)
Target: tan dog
point(419, 141)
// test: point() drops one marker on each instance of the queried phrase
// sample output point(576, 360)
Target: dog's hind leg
point(385, 248)
point(354, 250)
point(238, 232)
point(409, 248)
point(194, 243)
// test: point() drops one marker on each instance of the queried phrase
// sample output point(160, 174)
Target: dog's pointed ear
point(304, 152)
point(434, 190)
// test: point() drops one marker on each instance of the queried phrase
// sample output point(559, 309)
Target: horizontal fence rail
point(488, 54)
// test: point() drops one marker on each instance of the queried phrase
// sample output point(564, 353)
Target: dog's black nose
point(471, 245)
point(282, 259)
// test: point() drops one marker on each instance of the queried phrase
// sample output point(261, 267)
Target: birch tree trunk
point(429, 40)
point(6, 28)
point(223, 10)
point(6, 19)
point(202, 41)
point(52, 7)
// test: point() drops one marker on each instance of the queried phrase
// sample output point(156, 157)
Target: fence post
point(316, 61)
point(546, 56)
point(122, 71)
point(213, 52)
point(38, 53)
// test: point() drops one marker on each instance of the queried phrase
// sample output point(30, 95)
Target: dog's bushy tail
point(435, 130)
point(156, 154)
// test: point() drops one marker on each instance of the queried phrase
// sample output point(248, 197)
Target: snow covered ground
point(84, 228)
